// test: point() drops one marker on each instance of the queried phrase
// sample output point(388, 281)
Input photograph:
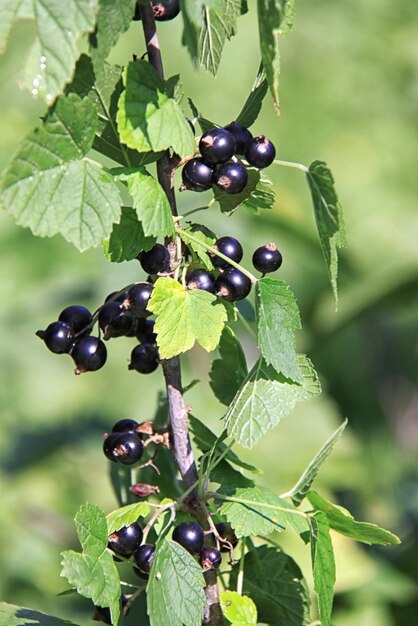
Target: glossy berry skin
point(125, 426)
point(144, 358)
point(137, 299)
point(144, 557)
point(164, 11)
point(210, 558)
point(267, 258)
point(126, 448)
point(126, 540)
point(189, 535)
point(115, 321)
point(227, 533)
point(58, 337)
point(145, 331)
point(260, 152)
point(155, 260)
point(217, 145)
point(76, 316)
point(119, 298)
point(231, 177)
point(200, 279)
point(89, 354)
point(197, 175)
point(230, 247)
point(241, 135)
point(232, 285)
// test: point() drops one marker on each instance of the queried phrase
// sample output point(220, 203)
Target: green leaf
point(224, 474)
point(252, 107)
point(230, 370)
point(219, 24)
point(49, 186)
point(149, 201)
point(277, 319)
point(239, 610)
point(114, 19)
point(299, 491)
point(276, 585)
point(93, 572)
point(274, 19)
point(230, 202)
point(328, 216)
point(58, 40)
point(340, 520)
point(175, 595)
point(126, 515)
point(127, 239)
point(204, 123)
point(147, 118)
point(323, 566)
point(258, 511)
point(184, 317)
point(265, 398)
point(206, 236)
point(12, 615)
point(263, 196)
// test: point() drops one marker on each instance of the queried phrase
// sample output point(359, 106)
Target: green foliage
point(323, 565)
point(203, 234)
point(230, 202)
point(93, 572)
point(127, 239)
point(230, 370)
point(265, 398)
point(239, 610)
point(184, 317)
point(126, 515)
point(175, 588)
point(252, 107)
point(114, 19)
point(12, 615)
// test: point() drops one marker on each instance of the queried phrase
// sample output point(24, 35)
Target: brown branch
point(177, 409)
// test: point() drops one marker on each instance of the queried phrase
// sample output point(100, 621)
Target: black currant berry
point(155, 260)
point(260, 152)
point(241, 135)
point(125, 426)
point(144, 358)
point(144, 557)
point(126, 540)
point(58, 337)
point(226, 532)
point(210, 558)
point(137, 299)
point(230, 247)
point(164, 11)
point(78, 317)
point(200, 279)
point(145, 331)
point(197, 176)
point(126, 448)
point(189, 535)
point(115, 321)
point(231, 177)
point(217, 145)
point(89, 354)
point(267, 258)
point(114, 297)
point(232, 285)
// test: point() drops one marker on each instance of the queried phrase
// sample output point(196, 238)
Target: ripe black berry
point(260, 152)
point(116, 298)
point(137, 299)
point(267, 258)
point(155, 260)
point(126, 448)
point(232, 285)
point(200, 279)
point(227, 533)
point(241, 135)
point(89, 354)
point(217, 145)
point(197, 176)
point(58, 337)
point(126, 540)
point(210, 558)
point(125, 426)
point(144, 557)
point(145, 331)
point(164, 11)
point(231, 177)
point(144, 358)
point(230, 247)
point(189, 535)
point(78, 317)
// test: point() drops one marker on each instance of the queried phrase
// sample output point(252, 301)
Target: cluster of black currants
point(232, 284)
point(124, 443)
point(218, 164)
point(163, 11)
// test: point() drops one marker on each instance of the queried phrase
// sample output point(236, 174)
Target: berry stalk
point(172, 371)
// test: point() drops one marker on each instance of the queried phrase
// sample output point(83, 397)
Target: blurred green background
point(349, 95)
